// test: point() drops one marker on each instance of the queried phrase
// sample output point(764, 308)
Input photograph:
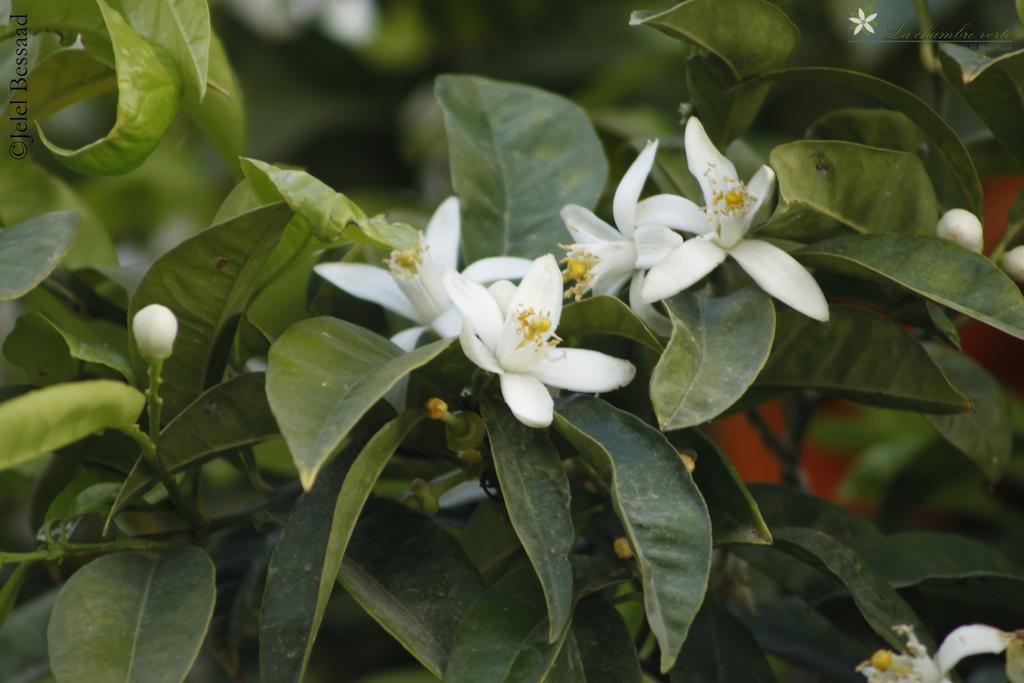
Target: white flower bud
point(1013, 263)
point(155, 328)
point(962, 227)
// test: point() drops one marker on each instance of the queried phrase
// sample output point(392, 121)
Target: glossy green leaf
point(604, 649)
point(664, 516)
point(10, 589)
point(717, 349)
point(849, 356)
point(720, 648)
point(182, 27)
point(993, 87)
point(497, 132)
point(985, 435)
point(910, 558)
point(712, 25)
point(489, 540)
point(147, 101)
point(725, 110)
point(536, 494)
point(147, 617)
point(942, 136)
point(324, 374)
point(30, 251)
point(606, 315)
point(44, 420)
point(848, 183)
point(735, 517)
point(207, 281)
point(66, 77)
point(929, 267)
point(221, 114)
point(412, 578)
point(879, 604)
point(91, 341)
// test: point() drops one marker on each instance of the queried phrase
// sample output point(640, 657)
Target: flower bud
point(962, 227)
point(1013, 263)
point(622, 549)
point(155, 328)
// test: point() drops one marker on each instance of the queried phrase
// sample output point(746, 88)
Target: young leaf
point(665, 518)
point(536, 493)
point(147, 100)
point(717, 349)
point(323, 375)
point(148, 615)
point(30, 251)
point(65, 77)
point(496, 133)
point(410, 575)
point(985, 435)
point(929, 267)
point(712, 25)
point(847, 356)
point(44, 420)
point(606, 315)
point(207, 281)
point(221, 114)
point(62, 16)
point(720, 648)
point(182, 27)
point(845, 182)
point(317, 536)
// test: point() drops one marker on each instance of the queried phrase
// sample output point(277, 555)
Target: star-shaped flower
point(862, 22)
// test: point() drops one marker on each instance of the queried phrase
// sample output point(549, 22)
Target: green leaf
point(911, 558)
point(92, 341)
point(23, 645)
point(221, 114)
point(665, 518)
point(497, 132)
point(725, 110)
point(717, 349)
point(536, 494)
point(879, 604)
point(720, 648)
point(929, 267)
point(10, 589)
point(182, 27)
point(848, 183)
point(993, 87)
point(293, 608)
point(207, 281)
point(324, 374)
point(147, 101)
point(850, 356)
point(147, 617)
point(605, 651)
point(411, 576)
point(985, 435)
point(942, 136)
point(606, 315)
point(44, 420)
point(712, 25)
point(735, 517)
point(787, 506)
point(489, 540)
point(68, 17)
point(63, 78)
point(30, 251)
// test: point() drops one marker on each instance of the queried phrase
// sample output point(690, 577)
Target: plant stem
point(60, 550)
point(800, 410)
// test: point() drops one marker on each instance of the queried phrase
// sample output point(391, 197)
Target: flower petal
point(443, 233)
point(587, 228)
point(502, 291)
point(782, 276)
point(762, 188)
point(860, 12)
point(627, 194)
point(647, 312)
point(448, 323)
point(611, 284)
point(540, 295)
point(497, 268)
point(406, 339)
point(968, 641)
point(653, 244)
point(678, 213)
point(528, 399)
point(477, 306)
point(369, 283)
point(688, 263)
point(476, 351)
point(706, 163)
point(871, 17)
point(583, 370)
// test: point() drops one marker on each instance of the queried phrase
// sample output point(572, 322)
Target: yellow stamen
point(532, 328)
point(882, 660)
point(579, 265)
point(734, 198)
point(405, 263)
point(435, 408)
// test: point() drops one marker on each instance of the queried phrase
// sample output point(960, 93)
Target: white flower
point(732, 208)
point(510, 331)
point(914, 665)
point(1013, 263)
point(862, 22)
point(961, 227)
point(155, 328)
point(412, 285)
point(604, 259)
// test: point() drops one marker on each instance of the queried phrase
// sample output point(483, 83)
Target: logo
point(861, 22)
